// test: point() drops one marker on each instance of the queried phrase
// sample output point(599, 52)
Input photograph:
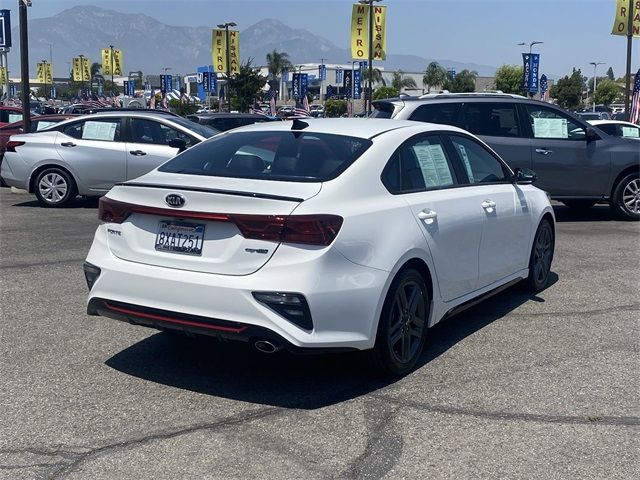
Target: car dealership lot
point(520, 386)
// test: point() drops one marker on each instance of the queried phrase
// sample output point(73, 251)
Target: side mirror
point(591, 135)
point(524, 176)
point(178, 143)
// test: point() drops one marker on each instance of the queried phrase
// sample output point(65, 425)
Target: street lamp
point(595, 80)
point(228, 65)
point(112, 65)
point(369, 92)
point(81, 72)
point(530, 45)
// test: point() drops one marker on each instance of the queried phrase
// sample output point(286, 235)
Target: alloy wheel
point(53, 187)
point(407, 322)
point(631, 196)
point(543, 252)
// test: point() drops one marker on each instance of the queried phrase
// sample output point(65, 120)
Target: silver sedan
point(88, 155)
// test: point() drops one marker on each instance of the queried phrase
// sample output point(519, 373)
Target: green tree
point(589, 84)
point(606, 92)
point(465, 81)
point(246, 86)
point(276, 63)
point(183, 108)
point(434, 75)
point(385, 92)
point(568, 90)
point(509, 79)
point(400, 82)
point(610, 74)
point(376, 76)
point(335, 108)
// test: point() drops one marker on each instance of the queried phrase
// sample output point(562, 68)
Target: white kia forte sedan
point(341, 234)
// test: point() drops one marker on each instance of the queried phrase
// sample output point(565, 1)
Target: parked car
point(89, 154)
point(9, 115)
point(346, 234)
point(617, 128)
point(576, 163)
point(316, 110)
point(228, 121)
point(594, 115)
point(37, 123)
point(286, 111)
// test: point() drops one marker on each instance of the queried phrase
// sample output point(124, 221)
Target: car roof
point(453, 96)
point(613, 122)
point(226, 115)
point(351, 127)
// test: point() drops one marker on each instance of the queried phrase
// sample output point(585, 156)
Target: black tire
point(626, 197)
point(579, 204)
point(54, 188)
point(402, 328)
point(541, 257)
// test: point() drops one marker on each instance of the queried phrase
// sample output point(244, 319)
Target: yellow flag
point(86, 69)
point(621, 21)
point(117, 62)
point(77, 69)
point(40, 75)
point(106, 61)
point(234, 51)
point(379, 33)
point(360, 31)
point(48, 72)
point(3, 75)
point(219, 50)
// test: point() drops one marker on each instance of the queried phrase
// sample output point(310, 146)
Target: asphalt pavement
point(519, 387)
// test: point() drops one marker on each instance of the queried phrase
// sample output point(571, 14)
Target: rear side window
point(285, 155)
point(491, 119)
point(443, 113)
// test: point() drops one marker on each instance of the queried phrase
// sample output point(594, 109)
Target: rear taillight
point(12, 144)
point(306, 229)
point(112, 211)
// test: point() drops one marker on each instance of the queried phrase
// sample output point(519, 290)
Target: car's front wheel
point(403, 325)
point(626, 197)
point(54, 187)
point(541, 257)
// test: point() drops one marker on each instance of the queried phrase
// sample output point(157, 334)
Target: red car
point(37, 124)
point(9, 115)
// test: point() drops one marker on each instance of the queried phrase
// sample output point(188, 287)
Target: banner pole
point(627, 82)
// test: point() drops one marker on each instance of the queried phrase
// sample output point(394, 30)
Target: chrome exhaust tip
point(265, 346)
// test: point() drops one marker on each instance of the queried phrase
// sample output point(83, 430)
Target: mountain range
point(150, 45)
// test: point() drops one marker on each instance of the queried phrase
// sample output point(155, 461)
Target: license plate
point(180, 237)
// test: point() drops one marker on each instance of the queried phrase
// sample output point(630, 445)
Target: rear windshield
point(382, 110)
point(283, 155)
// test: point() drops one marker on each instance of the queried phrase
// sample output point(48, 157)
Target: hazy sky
point(575, 32)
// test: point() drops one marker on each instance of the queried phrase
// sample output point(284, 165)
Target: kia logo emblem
point(175, 200)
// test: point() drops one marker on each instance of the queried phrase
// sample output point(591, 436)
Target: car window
point(14, 117)
point(609, 129)
point(420, 164)
point(479, 164)
point(156, 133)
point(282, 155)
point(382, 110)
point(444, 113)
point(38, 125)
point(491, 119)
point(104, 129)
point(629, 131)
point(549, 123)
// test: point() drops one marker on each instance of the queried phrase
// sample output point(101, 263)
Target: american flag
point(256, 109)
point(302, 108)
point(634, 108)
point(349, 108)
point(544, 88)
point(272, 102)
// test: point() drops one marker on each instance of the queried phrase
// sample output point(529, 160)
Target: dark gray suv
point(576, 163)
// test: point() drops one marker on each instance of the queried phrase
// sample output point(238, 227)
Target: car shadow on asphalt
point(235, 371)
point(79, 202)
point(597, 213)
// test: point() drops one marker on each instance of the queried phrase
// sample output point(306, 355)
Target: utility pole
point(228, 65)
point(111, 53)
point(81, 72)
point(24, 64)
point(627, 82)
point(323, 69)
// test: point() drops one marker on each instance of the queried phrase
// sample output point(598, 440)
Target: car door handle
point(543, 151)
point(68, 144)
point(488, 205)
point(137, 153)
point(428, 215)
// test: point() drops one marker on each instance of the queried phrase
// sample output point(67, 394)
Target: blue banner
point(5, 28)
point(363, 65)
point(530, 70)
point(295, 85)
point(12, 89)
point(357, 87)
point(322, 72)
point(347, 84)
point(339, 75)
point(54, 91)
point(304, 82)
point(329, 93)
point(125, 87)
point(169, 82)
point(285, 74)
point(452, 74)
point(163, 83)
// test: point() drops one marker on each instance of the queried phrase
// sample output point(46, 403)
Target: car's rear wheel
point(54, 187)
point(541, 257)
point(579, 204)
point(626, 197)
point(403, 325)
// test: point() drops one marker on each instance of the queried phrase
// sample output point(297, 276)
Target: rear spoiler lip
point(212, 190)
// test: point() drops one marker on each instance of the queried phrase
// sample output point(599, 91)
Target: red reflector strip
point(162, 318)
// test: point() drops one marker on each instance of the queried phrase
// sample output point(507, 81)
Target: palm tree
point(95, 73)
point(376, 77)
point(434, 75)
point(400, 82)
point(276, 63)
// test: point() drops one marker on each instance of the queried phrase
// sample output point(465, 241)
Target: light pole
point(81, 72)
point(370, 75)
point(51, 63)
point(531, 44)
point(111, 63)
point(24, 64)
point(595, 81)
point(44, 71)
point(228, 65)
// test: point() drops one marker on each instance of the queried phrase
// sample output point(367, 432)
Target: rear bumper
point(10, 175)
point(344, 298)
